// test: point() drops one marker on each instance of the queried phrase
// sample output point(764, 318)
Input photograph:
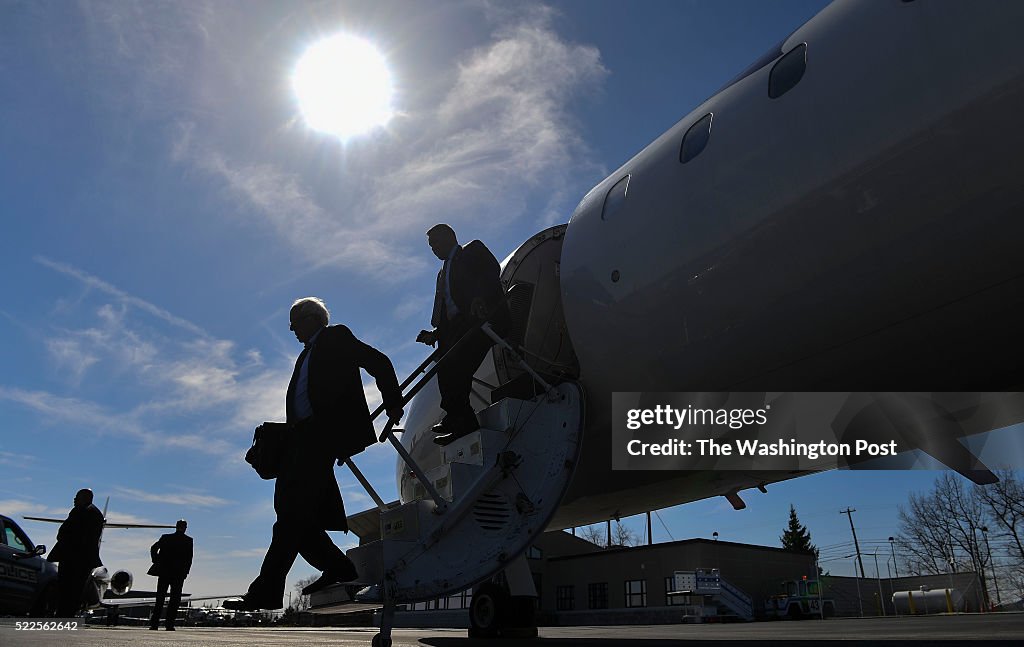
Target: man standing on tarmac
point(172, 560)
point(78, 552)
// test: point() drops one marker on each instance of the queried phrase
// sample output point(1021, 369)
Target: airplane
point(118, 583)
point(842, 216)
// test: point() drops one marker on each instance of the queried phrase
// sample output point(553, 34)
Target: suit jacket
point(307, 489)
point(473, 273)
point(78, 538)
point(172, 556)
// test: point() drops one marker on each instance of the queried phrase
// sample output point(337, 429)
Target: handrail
point(387, 433)
point(439, 502)
point(429, 373)
point(419, 369)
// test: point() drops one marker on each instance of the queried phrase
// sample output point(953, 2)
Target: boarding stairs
point(708, 584)
point(482, 500)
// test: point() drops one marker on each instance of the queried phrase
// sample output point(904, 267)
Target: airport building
point(581, 583)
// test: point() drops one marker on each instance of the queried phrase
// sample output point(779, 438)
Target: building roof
point(681, 542)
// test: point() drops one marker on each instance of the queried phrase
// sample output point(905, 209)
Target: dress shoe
point(249, 603)
point(449, 438)
point(153, 627)
point(332, 577)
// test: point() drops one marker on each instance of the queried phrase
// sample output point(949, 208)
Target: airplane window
point(695, 139)
point(788, 71)
point(615, 199)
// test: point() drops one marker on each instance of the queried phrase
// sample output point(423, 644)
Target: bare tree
point(1004, 503)
point(301, 602)
point(942, 530)
point(594, 535)
point(621, 535)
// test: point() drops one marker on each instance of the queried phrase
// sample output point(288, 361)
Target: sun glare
point(343, 86)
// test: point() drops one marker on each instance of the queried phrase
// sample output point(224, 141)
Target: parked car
point(28, 583)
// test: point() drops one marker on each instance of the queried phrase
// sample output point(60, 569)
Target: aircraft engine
point(121, 582)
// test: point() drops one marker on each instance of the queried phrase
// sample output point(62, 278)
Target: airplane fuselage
point(844, 216)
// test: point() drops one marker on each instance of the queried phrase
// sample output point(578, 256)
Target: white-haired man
point(330, 420)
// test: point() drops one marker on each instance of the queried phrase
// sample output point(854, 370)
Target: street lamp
point(715, 535)
point(878, 578)
point(893, 547)
point(988, 549)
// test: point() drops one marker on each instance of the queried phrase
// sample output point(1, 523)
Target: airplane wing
point(148, 598)
point(106, 524)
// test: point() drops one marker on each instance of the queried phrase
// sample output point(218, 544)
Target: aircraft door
point(530, 275)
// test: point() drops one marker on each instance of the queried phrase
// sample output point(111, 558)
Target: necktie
point(439, 297)
point(289, 404)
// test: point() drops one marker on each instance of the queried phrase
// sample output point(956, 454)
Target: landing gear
point(490, 602)
point(494, 612)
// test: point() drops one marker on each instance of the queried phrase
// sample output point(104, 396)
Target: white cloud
point(503, 131)
point(171, 498)
point(21, 507)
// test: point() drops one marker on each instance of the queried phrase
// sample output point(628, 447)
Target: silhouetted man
point(468, 291)
point(78, 552)
point(328, 419)
point(172, 560)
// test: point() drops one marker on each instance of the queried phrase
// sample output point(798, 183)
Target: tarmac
point(963, 629)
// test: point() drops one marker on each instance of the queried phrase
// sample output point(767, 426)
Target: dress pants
point(455, 375)
point(298, 530)
point(71, 581)
point(162, 584)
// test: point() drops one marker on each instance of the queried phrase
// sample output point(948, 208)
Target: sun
point(343, 86)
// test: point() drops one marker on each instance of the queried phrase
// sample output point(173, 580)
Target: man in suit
point(328, 419)
point(78, 552)
point(468, 292)
point(172, 560)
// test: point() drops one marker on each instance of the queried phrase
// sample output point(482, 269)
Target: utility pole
point(995, 582)
point(650, 538)
point(893, 547)
point(849, 513)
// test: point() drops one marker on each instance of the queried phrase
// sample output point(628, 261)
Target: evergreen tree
point(796, 537)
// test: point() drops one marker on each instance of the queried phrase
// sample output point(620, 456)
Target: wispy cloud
point(169, 372)
point(171, 498)
point(503, 130)
point(10, 459)
point(93, 282)
point(21, 507)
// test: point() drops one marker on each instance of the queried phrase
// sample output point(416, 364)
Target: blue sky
point(164, 204)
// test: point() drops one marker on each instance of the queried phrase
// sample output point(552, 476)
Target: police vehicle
point(28, 583)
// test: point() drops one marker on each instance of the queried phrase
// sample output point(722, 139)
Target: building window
point(565, 598)
point(534, 553)
point(788, 71)
point(672, 600)
point(616, 198)
point(636, 593)
point(695, 139)
point(597, 595)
